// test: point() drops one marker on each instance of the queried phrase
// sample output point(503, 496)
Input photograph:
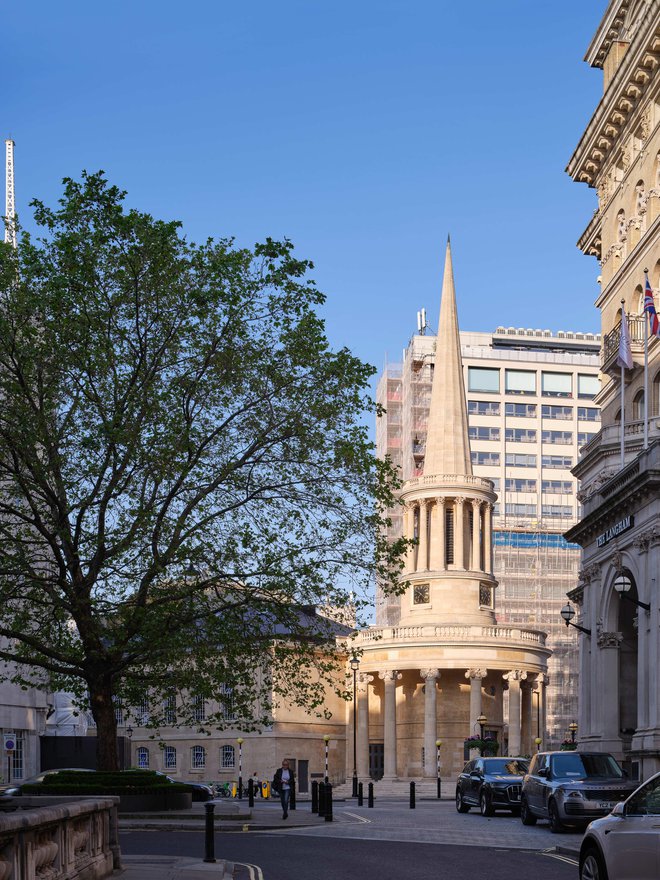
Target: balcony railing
point(611, 341)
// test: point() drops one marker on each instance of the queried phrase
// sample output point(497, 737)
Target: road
point(390, 843)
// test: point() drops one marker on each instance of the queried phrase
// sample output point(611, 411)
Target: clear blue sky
point(365, 131)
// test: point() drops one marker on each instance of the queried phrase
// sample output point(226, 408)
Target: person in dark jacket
point(284, 783)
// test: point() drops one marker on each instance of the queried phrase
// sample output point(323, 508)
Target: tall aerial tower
point(10, 202)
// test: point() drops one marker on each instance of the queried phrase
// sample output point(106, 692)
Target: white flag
point(625, 358)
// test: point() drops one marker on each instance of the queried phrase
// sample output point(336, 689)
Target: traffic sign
point(10, 741)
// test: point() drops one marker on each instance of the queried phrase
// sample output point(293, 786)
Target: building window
point(486, 459)
point(143, 758)
point(561, 510)
point(557, 461)
point(514, 459)
point(561, 437)
point(521, 435)
point(479, 432)
point(521, 410)
point(485, 595)
point(565, 413)
point(227, 702)
point(557, 487)
point(227, 757)
point(198, 757)
point(638, 406)
point(169, 758)
point(17, 758)
point(199, 709)
point(520, 382)
point(483, 379)
point(556, 385)
point(520, 509)
point(655, 396)
point(588, 386)
point(584, 437)
point(449, 535)
point(421, 594)
point(521, 485)
point(119, 711)
point(588, 414)
point(142, 714)
point(169, 710)
point(483, 408)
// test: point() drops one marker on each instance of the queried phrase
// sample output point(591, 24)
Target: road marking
point(356, 816)
point(254, 871)
point(560, 858)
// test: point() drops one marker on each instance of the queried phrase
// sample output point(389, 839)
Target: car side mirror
point(475, 774)
point(619, 809)
point(543, 772)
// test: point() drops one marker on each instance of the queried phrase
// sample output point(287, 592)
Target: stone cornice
point(608, 31)
point(619, 105)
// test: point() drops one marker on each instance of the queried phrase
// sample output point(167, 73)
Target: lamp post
point(482, 721)
point(568, 613)
point(326, 740)
point(573, 728)
point(623, 586)
point(355, 665)
point(438, 746)
point(240, 767)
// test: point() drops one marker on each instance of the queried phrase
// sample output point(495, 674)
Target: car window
point(542, 763)
point(479, 766)
point(468, 767)
point(645, 802)
point(506, 766)
point(575, 766)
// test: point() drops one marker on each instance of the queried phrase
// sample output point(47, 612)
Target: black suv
point(491, 784)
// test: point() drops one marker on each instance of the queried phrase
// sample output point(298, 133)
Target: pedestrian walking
point(284, 783)
point(256, 784)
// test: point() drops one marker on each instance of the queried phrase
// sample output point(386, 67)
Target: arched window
point(638, 406)
point(617, 417)
point(655, 395)
point(169, 758)
point(198, 757)
point(227, 757)
point(621, 225)
point(143, 758)
point(640, 198)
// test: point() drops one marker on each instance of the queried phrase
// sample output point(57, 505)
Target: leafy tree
point(183, 467)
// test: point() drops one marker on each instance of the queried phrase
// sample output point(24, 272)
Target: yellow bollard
point(265, 789)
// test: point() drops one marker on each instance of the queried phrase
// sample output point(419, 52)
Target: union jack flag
point(649, 306)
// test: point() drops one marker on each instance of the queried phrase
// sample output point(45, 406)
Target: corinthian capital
point(389, 675)
point(429, 674)
point(476, 673)
point(515, 675)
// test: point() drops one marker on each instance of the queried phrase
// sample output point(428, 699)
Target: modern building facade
point(617, 593)
point(530, 408)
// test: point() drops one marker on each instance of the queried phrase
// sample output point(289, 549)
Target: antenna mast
point(10, 201)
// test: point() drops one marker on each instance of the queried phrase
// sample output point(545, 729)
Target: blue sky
point(364, 131)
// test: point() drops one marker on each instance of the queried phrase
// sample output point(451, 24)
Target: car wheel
point(461, 806)
point(526, 817)
point(553, 818)
point(592, 867)
point(485, 805)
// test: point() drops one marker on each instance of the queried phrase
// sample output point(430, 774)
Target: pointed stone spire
point(447, 443)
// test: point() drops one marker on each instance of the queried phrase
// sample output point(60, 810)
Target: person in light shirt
point(284, 783)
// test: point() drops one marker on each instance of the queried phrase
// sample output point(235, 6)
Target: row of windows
point(527, 435)
point(547, 510)
point(487, 379)
point(197, 757)
point(554, 487)
point(514, 459)
point(141, 714)
point(529, 410)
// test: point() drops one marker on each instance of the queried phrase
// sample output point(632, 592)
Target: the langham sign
point(622, 526)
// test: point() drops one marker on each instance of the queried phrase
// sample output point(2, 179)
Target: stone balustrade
point(448, 633)
point(65, 839)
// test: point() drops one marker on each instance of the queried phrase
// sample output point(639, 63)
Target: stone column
point(540, 687)
point(488, 538)
point(459, 536)
point(423, 550)
point(437, 548)
point(430, 677)
point(606, 709)
point(475, 677)
point(526, 721)
point(514, 678)
point(409, 532)
point(476, 535)
point(389, 679)
point(363, 724)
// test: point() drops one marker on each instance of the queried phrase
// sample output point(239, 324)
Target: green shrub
point(97, 782)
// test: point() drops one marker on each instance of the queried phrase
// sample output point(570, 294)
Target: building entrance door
point(303, 777)
point(376, 760)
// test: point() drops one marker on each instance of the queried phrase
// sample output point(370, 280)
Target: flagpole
point(646, 376)
point(623, 411)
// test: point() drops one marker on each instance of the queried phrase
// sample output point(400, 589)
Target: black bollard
point(412, 795)
point(360, 795)
point(370, 798)
point(209, 839)
point(240, 788)
point(328, 802)
point(250, 792)
point(292, 797)
point(439, 788)
point(321, 798)
point(315, 796)
point(355, 786)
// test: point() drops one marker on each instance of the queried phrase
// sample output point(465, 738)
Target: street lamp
point(623, 585)
point(568, 613)
point(240, 767)
point(326, 740)
point(438, 746)
point(355, 665)
point(481, 721)
point(573, 729)
point(129, 731)
point(538, 742)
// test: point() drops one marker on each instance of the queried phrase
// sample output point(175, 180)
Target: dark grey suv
point(572, 788)
point(491, 784)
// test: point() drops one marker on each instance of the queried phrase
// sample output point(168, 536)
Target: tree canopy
point(184, 464)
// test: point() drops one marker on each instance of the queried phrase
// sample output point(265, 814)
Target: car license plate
point(606, 805)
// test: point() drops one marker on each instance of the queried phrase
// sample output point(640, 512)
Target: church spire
point(447, 444)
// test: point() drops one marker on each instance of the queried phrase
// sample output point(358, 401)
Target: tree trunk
point(103, 710)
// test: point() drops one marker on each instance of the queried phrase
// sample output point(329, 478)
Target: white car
point(626, 844)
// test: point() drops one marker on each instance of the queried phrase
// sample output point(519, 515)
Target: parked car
point(491, 784)
point(14, 789)
point(572, 788)
point(201, 791)
point(626, 844)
